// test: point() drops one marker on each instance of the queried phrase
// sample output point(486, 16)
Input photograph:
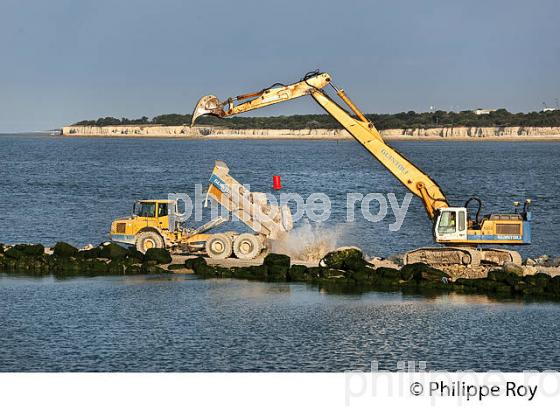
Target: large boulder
point(112, 251)
point(510, 267)
point(24, 251)
point(362, 276)
point(31, 250)
point(277, 266)
point(135, 254)
point(345, 259)
point(389, 273)
point(250, 272)
point(192, 263)
point(484, 284)
point(277, 273)
point(422, 272)
point(503, 276)
point(539, 280)
point(258, 271)
point(159, 255)
point(92, 253)
point(148, 268)
point(297, 273)
point(553, 286)
point(276, 259)
point(89, 253)
point(64, 250)
point(234, 272)
point(388, 282)
point(202, 269)
point(13, 253)
point(314, 272)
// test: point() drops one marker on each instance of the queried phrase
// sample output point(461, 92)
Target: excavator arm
point(415, 180)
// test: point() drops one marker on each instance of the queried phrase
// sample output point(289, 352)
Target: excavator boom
point(417, 181)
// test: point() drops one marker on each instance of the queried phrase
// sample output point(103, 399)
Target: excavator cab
point(454, 226)
point(451, 225)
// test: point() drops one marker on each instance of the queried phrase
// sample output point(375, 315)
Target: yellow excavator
point(453, 226)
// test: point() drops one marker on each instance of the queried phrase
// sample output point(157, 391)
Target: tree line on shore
point(410, 119)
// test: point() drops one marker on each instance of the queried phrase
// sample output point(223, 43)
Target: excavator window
point(462, 220)
point(447, 223)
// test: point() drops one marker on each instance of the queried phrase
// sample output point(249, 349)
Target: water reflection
point(181, 323)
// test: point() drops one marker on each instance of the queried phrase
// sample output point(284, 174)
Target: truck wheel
point(247, 246)
point(147, 240)
point(219, 246)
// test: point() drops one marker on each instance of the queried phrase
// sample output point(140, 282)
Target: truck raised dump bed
point(157, 223)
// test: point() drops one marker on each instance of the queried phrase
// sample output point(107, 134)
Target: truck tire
point(247, 246)
point(147, 240)
point(219, 246)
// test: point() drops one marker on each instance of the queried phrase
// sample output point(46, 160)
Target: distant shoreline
point(555, 138)
point(217, 133)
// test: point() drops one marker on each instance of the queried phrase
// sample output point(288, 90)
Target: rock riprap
point(67, 260)
point(348, 269)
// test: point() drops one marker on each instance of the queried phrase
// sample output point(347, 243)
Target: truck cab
point(150, 216)
point(153, 213)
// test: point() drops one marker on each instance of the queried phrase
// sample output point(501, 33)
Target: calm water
point(70, 189)
point(186, 324)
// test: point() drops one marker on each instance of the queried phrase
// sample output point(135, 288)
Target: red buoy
point(276, 184)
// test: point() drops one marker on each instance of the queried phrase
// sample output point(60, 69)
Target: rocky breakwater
point(65, 260)
point(347, 270)
point(341, 270)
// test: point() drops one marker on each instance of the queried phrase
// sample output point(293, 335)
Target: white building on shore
point(483, 111)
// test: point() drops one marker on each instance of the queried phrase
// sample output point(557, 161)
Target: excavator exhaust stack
point(208, 105)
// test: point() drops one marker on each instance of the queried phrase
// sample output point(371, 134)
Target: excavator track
point(500, 256)
point(443, 256)
point(462, 256)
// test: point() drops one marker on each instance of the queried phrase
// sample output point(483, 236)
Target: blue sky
point(66, 60)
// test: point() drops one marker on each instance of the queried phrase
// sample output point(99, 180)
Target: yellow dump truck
point(154, 224)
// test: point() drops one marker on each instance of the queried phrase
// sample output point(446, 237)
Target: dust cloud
point(309, 243)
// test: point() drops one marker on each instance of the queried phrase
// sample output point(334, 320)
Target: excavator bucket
point(208, 105)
